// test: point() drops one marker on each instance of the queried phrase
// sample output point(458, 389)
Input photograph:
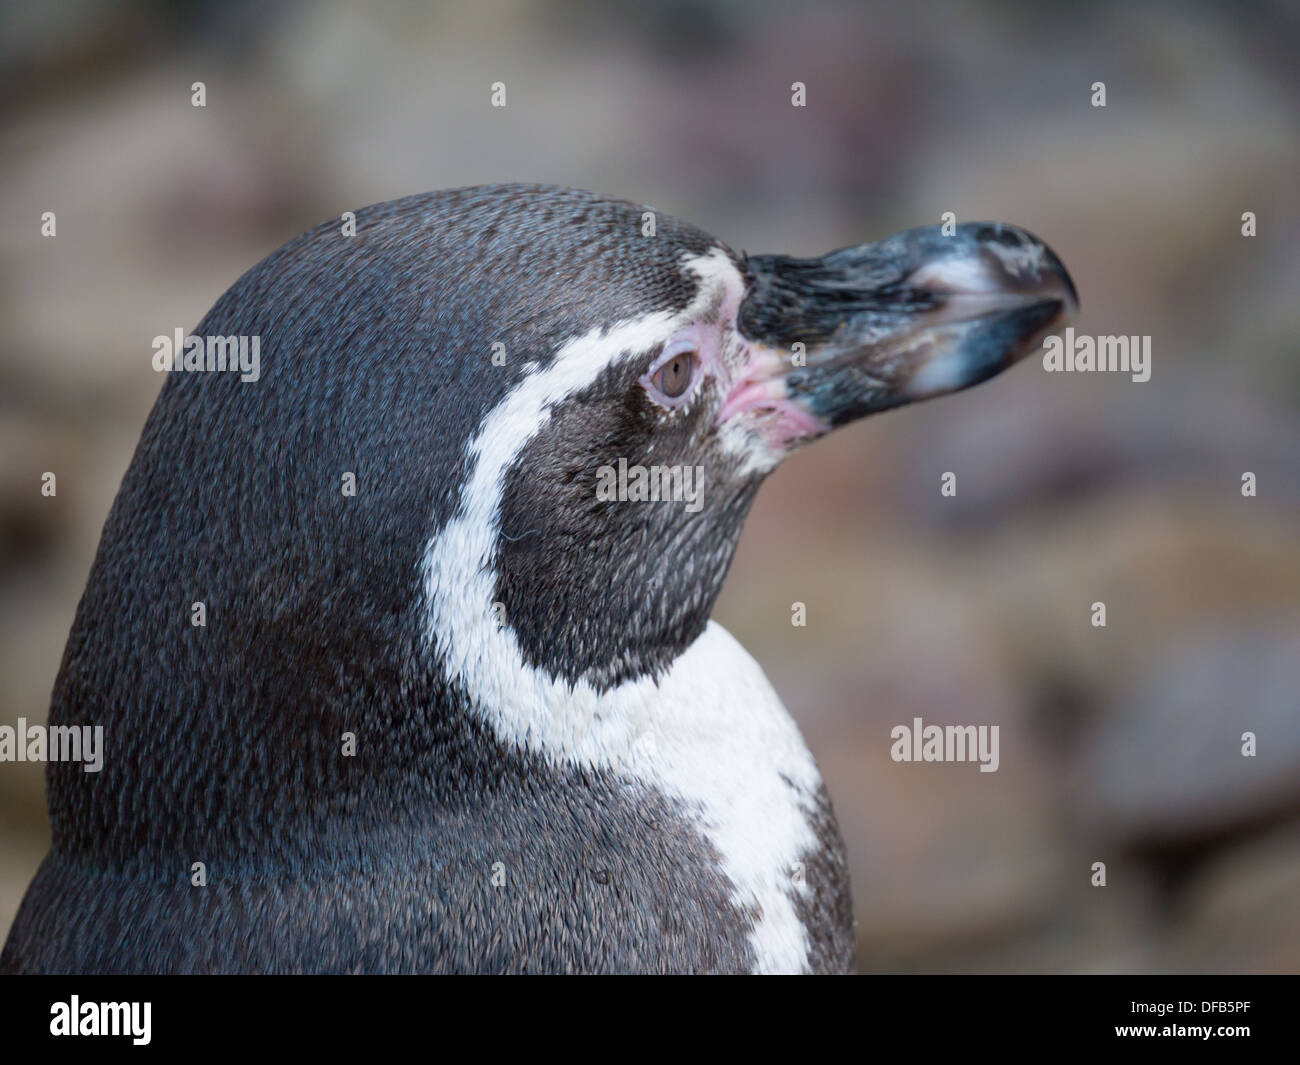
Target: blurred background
point(1119, 744)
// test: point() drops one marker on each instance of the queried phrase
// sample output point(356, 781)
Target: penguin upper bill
point(872, 327)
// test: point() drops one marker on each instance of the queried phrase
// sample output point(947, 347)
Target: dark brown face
point(620, 511)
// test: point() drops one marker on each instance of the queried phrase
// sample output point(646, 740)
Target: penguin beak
point(873, 327)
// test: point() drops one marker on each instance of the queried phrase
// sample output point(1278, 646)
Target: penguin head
point(500, 452)
point(609, 487)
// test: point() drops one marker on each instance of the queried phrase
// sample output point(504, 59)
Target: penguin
point(456, 703)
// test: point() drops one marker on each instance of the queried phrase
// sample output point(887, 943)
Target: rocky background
point(1119, 744)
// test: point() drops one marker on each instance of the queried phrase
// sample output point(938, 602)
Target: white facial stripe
point(458, 577)
point(742, 440)
point(710, 733)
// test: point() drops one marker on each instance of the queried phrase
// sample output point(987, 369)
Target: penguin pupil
point(674, 377)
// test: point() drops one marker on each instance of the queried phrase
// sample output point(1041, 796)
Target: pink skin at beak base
point(759, 390)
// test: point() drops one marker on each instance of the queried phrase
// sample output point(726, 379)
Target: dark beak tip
point(1057, 268)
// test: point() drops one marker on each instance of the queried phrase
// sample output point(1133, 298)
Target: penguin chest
point(722, 746)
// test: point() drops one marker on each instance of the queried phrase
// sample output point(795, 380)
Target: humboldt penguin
point(453, 701)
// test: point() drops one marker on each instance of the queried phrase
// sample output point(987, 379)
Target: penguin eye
point(673, 375)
